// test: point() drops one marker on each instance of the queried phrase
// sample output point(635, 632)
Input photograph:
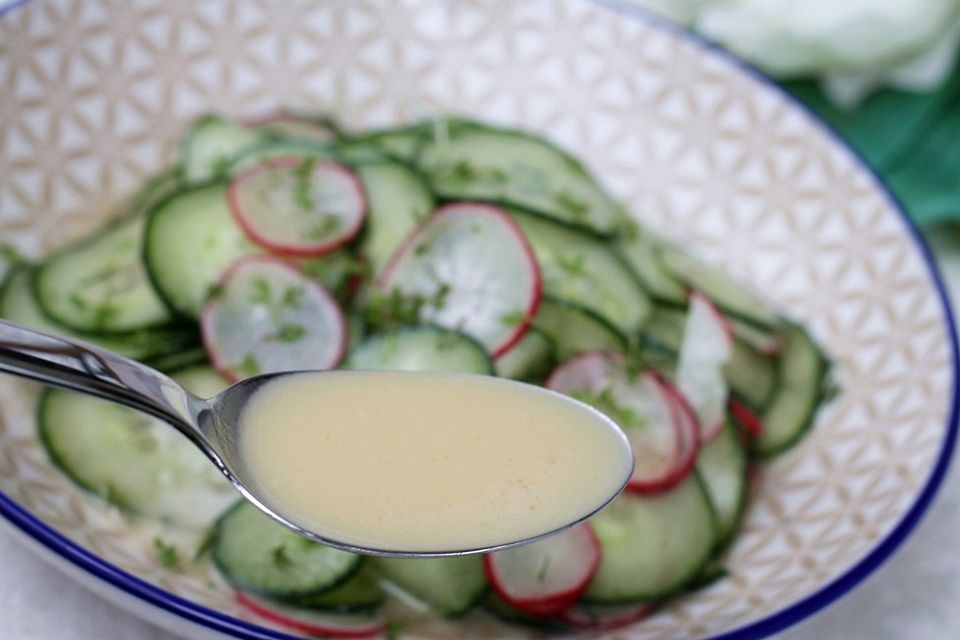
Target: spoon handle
point(88, 369)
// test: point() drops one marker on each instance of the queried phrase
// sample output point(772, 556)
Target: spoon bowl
point(214, 424)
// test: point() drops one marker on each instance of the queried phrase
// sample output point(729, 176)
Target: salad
point(447, 245)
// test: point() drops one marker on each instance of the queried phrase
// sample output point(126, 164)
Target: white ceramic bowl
point(699, 146)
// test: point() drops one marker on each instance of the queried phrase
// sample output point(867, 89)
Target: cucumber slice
point(664, 329)
point(574, 329)
point(359, 593)
point(210, 145)
point(257, 554)
point(750, 374)
point(652, 545)
point(707, 345)
point(469, 161)
point(298, 207)
point(190, 241)
point(17, 304)
point(100, 285)
point(398, 201)
point(267, 316)
point(639, 249)
point(530, 360)
point(295, 125)
point(471, 269)
point(402, 143)
point(178, 361)
point(583, 270)
point(422, 348)
point(722, 465)
point(499, 609)
point(450, 586)
point(135, 462)
point(800, 375)
point(733, 298)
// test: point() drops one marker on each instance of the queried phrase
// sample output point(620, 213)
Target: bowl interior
point(95, 93)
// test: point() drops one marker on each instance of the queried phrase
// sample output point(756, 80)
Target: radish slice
point(312, 622)
point(473, 270)
point(543, 578)
point(751, 422)
point(266, 316)
point(605, 617)
point(298, 206)
point(664, 439)
point(706, 348)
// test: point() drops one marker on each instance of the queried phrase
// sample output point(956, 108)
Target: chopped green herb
point(576, 208)
point(103, 314)
point(513, 318)
point(249, 366)
point(439, 299)
point(166, 553)
point(304, 190)
point(291, 332)
point(292, 297)
point(112, 496)
point(575, 265)
point(280, 558)
point(385, 310)
point(542, 569)
point(394, 630)
point(608, 404)
point(206, 543)
point(78, 301)
point(261, 291)
point(421, 249)
point(324, 229)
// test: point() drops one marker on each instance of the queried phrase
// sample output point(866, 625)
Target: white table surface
point(915, 595)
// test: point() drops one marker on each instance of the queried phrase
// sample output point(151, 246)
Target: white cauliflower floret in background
point(854, 46)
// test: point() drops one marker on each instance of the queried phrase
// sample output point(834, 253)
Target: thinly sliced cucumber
point(403, 143)
point(469, 161)
point(473, 270)
point(311, 622)
point(546, 576)
point(706, 349)
point(266, 316)
point(359, 593)
point(179, 360)
point(530, 360)
point(422, 348)
point(133, 461)
point(733, 298)
point(495, 606)
point(190, 240)
point(211, 144)
point(750, 374)
point(100, 285)
point(257, 554)
point(722, 465)
point(399, 201)
point(790, 412)
point(652, 546)
point(664, 329)
point(269, 150)
point(639, 250)
point(574, 329)
point(450, 586)
point(17, 304)
point(584, 270)
point(298, 207)
point(766, 340)
point(295, 125)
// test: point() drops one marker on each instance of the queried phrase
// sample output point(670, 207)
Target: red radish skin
point(554, 603)
point(286, 249)
point(688, 443)
point(686, 428)
point(751, 422)
point(618, 616)
point(206, 322)
point(386, 275)
point(304, 626)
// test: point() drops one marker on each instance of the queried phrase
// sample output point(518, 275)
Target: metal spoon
point(212, 425)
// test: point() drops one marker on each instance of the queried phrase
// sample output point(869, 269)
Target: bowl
point(699, 146)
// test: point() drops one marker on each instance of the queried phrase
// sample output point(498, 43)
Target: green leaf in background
point(911, 139)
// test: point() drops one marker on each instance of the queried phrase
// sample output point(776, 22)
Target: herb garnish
point(167, 553)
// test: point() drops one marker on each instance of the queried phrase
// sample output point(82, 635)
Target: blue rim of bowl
point(765, 627)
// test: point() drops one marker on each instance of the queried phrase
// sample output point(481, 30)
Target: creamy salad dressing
point(428, 462)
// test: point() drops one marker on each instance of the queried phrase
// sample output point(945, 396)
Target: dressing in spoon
point(383, 463)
